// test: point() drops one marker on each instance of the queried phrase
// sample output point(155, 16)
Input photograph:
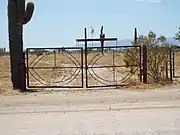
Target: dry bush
point(157, 59)
point(157, 56)
point(132, 58)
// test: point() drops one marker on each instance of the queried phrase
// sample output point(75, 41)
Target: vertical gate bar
point(167, 66)
point(170, 57)
point(54, 59)
point(144, 64)
point(27, 68)
point(86, 66)
point(140, 63)
point(173, 63)
point(114, 69)
point(167, 70)
point(82, 73)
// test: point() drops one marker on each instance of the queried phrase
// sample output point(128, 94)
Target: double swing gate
point(76, 67)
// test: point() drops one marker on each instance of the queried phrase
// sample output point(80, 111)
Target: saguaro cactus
point(17, 17)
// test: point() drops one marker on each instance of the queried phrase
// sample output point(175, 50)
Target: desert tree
point(177, 35)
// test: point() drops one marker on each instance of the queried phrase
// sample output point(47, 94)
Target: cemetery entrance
point(79, 67)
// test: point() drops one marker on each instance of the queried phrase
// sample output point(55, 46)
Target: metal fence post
point(173, 62)
point(144, 64)
point(140, 63)
point(86, 53)
point(171, 71)
point(167, 77)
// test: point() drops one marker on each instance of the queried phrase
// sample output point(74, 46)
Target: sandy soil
point(154, 112)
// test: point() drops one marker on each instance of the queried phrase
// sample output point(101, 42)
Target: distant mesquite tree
point(177, 35)
point(17, 17)
point(2, 50)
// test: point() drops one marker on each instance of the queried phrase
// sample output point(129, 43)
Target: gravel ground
point(126, 122)
point(101, 112)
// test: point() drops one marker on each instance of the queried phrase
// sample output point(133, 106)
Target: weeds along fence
point(158, 63)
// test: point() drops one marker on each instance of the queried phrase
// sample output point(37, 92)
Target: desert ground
point(138, 110)
point(96, 112)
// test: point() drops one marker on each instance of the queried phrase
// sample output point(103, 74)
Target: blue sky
point(59, 22)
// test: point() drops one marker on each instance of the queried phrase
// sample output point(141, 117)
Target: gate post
point(167, 70)
point(86, 64)
point(140, 63)
point(171, 71)
point(144, 64)
point(173, 57)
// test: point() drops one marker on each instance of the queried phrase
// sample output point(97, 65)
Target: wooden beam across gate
point(96, 39)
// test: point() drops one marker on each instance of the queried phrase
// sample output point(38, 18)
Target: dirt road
point(100, 112)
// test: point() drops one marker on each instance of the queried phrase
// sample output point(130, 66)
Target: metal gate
point(104, 66)
point(64, 68)
point(54, 67)
point(108, 67)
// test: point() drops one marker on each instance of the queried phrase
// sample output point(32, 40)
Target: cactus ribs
point(17, 17)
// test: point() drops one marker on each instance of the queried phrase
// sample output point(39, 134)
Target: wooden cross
point(101, 39)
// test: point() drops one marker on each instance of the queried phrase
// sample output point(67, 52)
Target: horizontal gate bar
point(103, 86)
point(54, 48)
point(111, 66)
point(81, 67)
point(96, 39)
point(115, 47)
point(36, 87)
point(51, 67)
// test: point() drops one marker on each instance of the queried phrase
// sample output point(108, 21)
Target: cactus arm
point(24, 16)
point(29, 12)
